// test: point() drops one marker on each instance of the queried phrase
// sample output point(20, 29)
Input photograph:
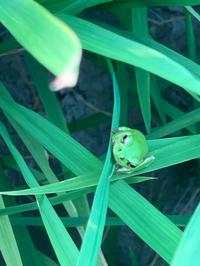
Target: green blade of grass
point(49, 40)
point(62, 198)
point(187, 252)
point(47, 97)
point(143, 88)
point(35, 148)
point(181, 122)
point(64, 246)
point(8, 243)
point(55, 116)
point(174, 113)
point(157, 98)
point(192, 53)
point(179, 220)
point(53, 200)
point(122, 84)
point(76, 7)
point(193, 12)
point(54, 5)
point(133, 50)
point(140, 26)
point(144, 219)
point(8, 45)
point(64, 147)
point(158, 59)
point(45, 261)
point(38, 153)
point(133, 257)
point(120, 4)
point(26, 247)
point(93, 236)
point(86, 180)
point(188, 64)
point(161, 149)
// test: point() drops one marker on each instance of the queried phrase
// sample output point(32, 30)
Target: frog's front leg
point(146, 162)
point(123, 170)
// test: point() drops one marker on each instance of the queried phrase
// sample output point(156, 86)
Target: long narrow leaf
point(53, 43)
point(144, 219)
point(65, 148)
point(136, 50)
point(96, 223)
point(188, 250)
point(25, 244)
point(64, 247)
point(8, 243)
point(181, 122)
point(146, 3)
point(161, 149)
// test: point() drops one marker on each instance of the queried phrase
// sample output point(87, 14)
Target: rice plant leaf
point(26, 247)
point(191, 41)
point(144, 219)
point(77, 6)
point(143, 88)
point(65, 197)
point(53, 200)
point(8, 45)
point(86, 180)
point(55, 116)
point(93, 236)
point(120, 4)
point(174, 113)
point(157, 98)
point(47, 97)
point(45, 260)
point(179, 220)
point(134, 260)
point(55, 5)
point(167, 152)
point(168, 64)
point(64, 246)
point(140, 26)
point(192, 11)
point(122, 84)
point(138, 51)
point(52, 43)
point(36, 149)
point(64, 147)
point(38, 153)
point(181, 122)
point(94, 231)
point(187, 252)
point(8, 243)
point(9, 161)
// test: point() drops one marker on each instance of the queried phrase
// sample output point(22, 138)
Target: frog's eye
point(132, 165)
point(125, 139)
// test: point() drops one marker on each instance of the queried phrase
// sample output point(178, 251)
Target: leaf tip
point(69, 76)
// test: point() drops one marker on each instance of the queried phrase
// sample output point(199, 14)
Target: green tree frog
point(129, 150)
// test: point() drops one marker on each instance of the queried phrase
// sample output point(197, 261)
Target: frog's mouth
point(132, 165)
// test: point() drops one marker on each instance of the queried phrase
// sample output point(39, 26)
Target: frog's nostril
point(120, 150)
point(122, 158)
